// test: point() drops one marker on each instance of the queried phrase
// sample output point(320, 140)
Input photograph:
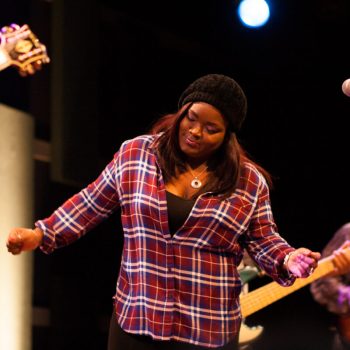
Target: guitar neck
point(266, 295)
point(5, 60)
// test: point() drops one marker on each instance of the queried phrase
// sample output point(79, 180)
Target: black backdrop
point(130, 68)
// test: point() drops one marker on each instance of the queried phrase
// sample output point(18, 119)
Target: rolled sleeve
point(263, 241)
point(81, 212)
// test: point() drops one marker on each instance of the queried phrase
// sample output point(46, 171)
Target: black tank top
point(178, 211)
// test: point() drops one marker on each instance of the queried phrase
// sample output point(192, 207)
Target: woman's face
point(201, 132)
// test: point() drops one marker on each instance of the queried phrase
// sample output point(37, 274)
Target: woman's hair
point(224, 167)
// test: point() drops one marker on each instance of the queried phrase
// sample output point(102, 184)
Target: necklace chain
point(196, 182)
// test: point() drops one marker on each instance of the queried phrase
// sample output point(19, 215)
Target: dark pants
point(121, 340)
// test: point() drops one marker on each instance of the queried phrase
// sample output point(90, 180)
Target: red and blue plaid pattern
point(183, 287)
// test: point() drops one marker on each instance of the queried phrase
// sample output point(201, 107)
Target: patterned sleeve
point(264, 243)
point(81, 212)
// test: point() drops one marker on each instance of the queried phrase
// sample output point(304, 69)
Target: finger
point(314, 264)
point(346, 244)
point(309, 253)
point(14, 248)
point(311, 256)
point(15, 241)
point(303, 251)
point(303, 265)
point(304, 260)
point(15, 251)
point(315, 255)
point(311, 261)
point(307, 272)
point(12, 240)
point(341, 258)
point(341, 264)
point(297, 272)
point(344, 255)
point(301, 270)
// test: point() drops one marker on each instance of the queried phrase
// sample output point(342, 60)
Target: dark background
point(118, 65)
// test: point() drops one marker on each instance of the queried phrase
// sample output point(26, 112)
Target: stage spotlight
point(254, 13)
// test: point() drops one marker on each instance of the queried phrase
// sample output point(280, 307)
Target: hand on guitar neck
point(301, 262)
point(20, 48)
point(341, 260)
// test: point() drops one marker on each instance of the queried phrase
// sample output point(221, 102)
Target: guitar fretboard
point(266, 295)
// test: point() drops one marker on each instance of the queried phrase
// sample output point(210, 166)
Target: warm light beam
point(16, 208)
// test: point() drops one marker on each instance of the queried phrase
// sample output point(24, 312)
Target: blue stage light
point(254, 13)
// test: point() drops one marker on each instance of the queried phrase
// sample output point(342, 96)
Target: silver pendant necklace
point(196, 182)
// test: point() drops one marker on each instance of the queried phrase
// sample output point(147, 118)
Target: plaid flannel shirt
point(184, 287)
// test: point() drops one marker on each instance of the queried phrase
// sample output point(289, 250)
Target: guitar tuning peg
point(10, 29)
point(5, 30)
point(14, 26)
point(34, 39)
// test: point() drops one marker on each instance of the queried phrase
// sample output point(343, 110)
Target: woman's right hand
point(302, 262)
point(23, 239)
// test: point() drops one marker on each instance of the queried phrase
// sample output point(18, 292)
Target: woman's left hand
point(302, 262)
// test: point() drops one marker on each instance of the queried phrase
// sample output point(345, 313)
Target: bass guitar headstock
point(19, 47)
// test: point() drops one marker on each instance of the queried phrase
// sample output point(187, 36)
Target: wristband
point(285, 261)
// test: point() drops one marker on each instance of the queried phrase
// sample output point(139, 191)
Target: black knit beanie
point(223, 93)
